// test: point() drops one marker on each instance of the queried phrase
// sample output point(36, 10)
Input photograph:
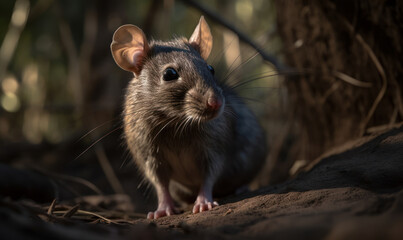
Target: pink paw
point(161, 212)
point(204, 206)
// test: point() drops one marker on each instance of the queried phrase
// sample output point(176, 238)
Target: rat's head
point(172, 77)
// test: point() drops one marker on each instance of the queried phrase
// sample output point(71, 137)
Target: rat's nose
point(214, 103)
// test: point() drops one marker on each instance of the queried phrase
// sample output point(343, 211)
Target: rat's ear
point(201, 39)
point(129, 47)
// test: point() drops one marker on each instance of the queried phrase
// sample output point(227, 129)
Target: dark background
point(330, 71)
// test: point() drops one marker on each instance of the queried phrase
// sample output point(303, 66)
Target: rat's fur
point(191, 136)
point(169, 137)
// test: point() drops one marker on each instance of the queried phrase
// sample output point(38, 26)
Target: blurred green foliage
point(61, 79)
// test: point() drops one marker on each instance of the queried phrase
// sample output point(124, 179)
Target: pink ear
point(201, 39)
point(129, 47)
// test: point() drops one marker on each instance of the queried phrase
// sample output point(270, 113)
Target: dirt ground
point(347, 56)
point(354, 191)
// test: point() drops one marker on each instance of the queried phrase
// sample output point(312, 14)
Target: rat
point(189, 134)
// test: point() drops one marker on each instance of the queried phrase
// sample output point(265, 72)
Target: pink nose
point(214, 103)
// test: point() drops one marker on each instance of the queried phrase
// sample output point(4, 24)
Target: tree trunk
point(348, 55)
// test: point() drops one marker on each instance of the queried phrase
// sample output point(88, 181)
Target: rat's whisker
point(230, 72)
point(96, 128)
point(156, 135)
point(97, 141)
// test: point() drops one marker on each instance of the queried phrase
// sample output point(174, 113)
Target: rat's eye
point(211, 69)
point(170, 74)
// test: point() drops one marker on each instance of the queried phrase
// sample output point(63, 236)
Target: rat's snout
point(214, 102)
point(205, 104)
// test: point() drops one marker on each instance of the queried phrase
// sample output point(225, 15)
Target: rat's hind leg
point(165, 203)
point(159, 177)
point(204, 200)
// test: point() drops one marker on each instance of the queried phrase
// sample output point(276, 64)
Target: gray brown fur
point(228, 150)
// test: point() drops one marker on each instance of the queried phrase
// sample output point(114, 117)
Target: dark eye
point(170, 74)
point(211, 69)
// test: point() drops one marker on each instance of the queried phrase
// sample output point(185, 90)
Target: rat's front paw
point(203, 206)
point(161, 212)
